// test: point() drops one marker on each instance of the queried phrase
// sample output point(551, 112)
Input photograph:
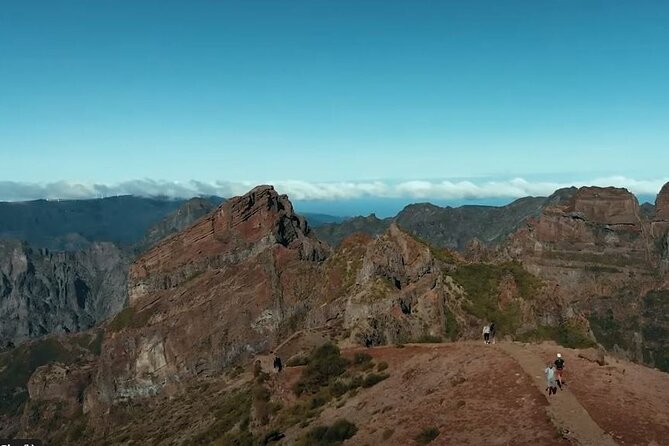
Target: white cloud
point(478, 188)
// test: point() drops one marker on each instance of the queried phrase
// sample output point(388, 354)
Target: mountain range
point(208, 298)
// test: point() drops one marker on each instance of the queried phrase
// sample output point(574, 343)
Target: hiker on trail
point(486, 334)
point(559, 369)
point(492, 332)
point(277, 363)
point(550, 379)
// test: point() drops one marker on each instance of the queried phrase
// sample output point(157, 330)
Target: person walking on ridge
point(486, 334)
point(492, 332)
point(559, 366)
point(550, 379)
point(277, 363)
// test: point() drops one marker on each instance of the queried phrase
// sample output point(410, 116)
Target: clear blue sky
point(109, 90)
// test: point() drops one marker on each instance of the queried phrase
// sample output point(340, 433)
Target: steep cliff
point(609, 262)
point(43, 292)
point(218, 291)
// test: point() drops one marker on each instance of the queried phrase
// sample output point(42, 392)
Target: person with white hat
point(559, 370)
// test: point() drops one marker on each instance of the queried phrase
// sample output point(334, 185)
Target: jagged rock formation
point(609, 261)
point(209, 295)
point(42, 292)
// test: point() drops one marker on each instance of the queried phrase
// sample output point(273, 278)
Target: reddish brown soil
point(472, 393)
point(629, 401)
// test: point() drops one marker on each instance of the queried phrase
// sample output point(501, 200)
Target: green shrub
point(325, 364)
point(382, 366)
point(336, 434)
point(318, 400)
point(355, 382)
point(373, 379)
point(297, 361)
point(293, 415)
point(427, 435)
point(361, 358)
point(337, 388)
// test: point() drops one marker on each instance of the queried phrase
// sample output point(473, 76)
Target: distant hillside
point(316, 220)
point(74, 224)
point(334, 233)
point(443, 226)
point(179, 219)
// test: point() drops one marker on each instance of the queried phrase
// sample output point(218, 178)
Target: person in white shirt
point(486, 334)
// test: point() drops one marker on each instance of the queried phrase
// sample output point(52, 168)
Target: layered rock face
point(595, 221)
point(609, 260)
point(223, 288)
point(660, 226)
point(43, 292)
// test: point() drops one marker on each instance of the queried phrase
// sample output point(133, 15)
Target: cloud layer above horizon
point(476, 189)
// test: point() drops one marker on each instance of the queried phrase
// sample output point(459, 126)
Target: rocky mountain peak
point(662, 204)
point(241, 227)
point(608, 205)
point(263, 211)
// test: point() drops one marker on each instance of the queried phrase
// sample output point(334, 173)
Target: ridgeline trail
point(564, 409)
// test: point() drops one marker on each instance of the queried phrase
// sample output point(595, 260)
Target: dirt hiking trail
point(564, 409)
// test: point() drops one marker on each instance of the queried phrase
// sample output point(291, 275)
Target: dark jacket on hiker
point(559, 363)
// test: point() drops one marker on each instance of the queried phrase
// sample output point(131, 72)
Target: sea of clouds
point(480, 188)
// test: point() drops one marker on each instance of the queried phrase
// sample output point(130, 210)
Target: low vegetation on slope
point(500, 292)
point(17, 365)
point(256, 414)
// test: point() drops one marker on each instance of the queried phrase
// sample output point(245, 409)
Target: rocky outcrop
point(59, 382)
point(604, 205)
point(43, 292)
point(662, 204)
point(399, 295)
point(599, 222)
point(219, 290)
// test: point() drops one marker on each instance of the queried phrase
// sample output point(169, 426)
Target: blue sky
point(111, 92)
